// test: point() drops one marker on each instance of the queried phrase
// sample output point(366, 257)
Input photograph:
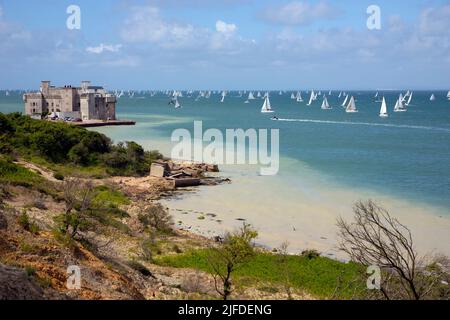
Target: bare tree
point(236, 249)
point(376, 238)
point(78, 197)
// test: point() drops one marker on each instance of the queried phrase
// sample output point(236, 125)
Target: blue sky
point(226, 44)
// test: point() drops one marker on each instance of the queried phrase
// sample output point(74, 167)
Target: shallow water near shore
point(329, 160)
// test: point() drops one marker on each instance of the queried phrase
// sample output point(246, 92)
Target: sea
point(329, 159)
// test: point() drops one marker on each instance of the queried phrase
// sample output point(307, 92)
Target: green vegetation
point(317, 276)
point(57, 145)
point(156, 220)
point(26, 224)
point(11, 173)
point(234, 252)
point(109, 197)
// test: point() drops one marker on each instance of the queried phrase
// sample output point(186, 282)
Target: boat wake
point(365, 124)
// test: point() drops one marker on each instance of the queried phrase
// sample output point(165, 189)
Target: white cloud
point(299, 13)
point(435, 21)
point(225, 28)
point(145, 24)
point(104, 48)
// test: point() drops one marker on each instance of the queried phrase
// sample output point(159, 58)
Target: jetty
point(103, 123)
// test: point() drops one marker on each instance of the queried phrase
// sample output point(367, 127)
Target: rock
point(157, 170)
point(16, 285)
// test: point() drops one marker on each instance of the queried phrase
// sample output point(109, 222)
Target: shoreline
point(310, 225)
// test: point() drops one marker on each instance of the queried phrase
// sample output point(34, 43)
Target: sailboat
point(266, 108)
point(251, 96)
point(292, 96)
point(351, 107)
point(258, 94)
point(325, 104)
point(223, 97)
point(311, 99)
point(448, 95)
point(409, 99)
point(399, 107)
point(383, 110)
point(340, 95)
point(299, 97)
point(177, 104)
point(432, 98)
point(376, 95)
point(345, 101)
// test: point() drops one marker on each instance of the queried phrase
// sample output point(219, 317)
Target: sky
point(226, 44)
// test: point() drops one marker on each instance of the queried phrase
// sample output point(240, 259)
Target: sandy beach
point(305, 217)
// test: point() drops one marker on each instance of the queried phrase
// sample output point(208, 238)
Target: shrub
point(157, 218)
point(310, 254)
point(30, 271)
point(26, 224)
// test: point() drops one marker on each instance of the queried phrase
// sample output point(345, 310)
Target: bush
point(157, 218)
point(26, 224)
point(60, 143)
point(310, 254)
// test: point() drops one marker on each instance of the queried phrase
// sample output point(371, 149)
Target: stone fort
point(86, 102)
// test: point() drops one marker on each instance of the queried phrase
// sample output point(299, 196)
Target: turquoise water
point(406, 155)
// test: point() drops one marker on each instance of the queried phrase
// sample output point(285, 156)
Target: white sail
point(409, 99)
point(376, 95)
point(259, 94)
point(311, 98)
point(448, 95)
point(177, 104)
point(325, 104)
point(351, 107)
point(266, 108)
point(329, 93)
point(383, 110)
point(432, 98)
point(345, 101)
point(251, 96)
point(299, 97)
point(399, 107)
point(292, 96)
point(340, 94)
point(223, 96)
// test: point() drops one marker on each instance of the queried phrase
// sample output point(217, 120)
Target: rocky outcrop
point(16, 285)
